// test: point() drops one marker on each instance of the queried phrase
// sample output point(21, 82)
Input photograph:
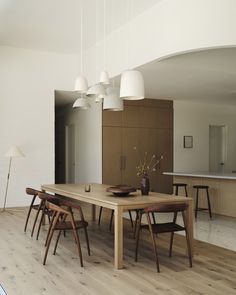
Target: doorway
point(70, 153)
point(217, 148)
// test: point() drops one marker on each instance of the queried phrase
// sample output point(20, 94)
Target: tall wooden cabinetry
point(147, 125)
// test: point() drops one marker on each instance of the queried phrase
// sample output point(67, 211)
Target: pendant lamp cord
point(81, 36)
point(104, 34)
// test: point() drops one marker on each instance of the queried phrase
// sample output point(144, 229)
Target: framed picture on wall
point(188, 142)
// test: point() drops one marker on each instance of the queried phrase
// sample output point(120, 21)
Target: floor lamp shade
point(132, 85)
point(112, 101)
point(14, 151)
point(81, 84)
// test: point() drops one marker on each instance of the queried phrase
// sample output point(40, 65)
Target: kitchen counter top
point(215, 175)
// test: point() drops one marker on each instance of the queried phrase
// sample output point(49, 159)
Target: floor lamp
point(13, 152)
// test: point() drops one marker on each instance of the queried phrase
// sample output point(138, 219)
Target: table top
point(99, 195)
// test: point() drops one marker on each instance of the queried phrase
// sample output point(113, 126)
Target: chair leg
point(100, 214)
point(29, 211)
point(50, 227)
point(131, 219)
point(111, 220)
point(208, 201)
point(57, 240)
point(153, 242)
point(176, 190)
point(153, 217)
point(76, 238)
point(87, 240)
point(41, 221)
point(196, 207)
point(135, 223)
point(171, 243)
point(36, 217)
point(137, 234)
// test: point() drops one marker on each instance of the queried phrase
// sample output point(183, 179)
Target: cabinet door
point(130, 139)
point(111, 155)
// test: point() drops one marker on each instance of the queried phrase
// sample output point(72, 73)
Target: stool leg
point(186, 193)
point(196, 207)
point(208, 201)
point(177, 190)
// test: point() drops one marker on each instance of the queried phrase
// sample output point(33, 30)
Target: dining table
point(99, 196)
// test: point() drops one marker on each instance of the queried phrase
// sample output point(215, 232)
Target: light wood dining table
point(98, 196)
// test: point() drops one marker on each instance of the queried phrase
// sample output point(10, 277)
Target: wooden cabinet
point(147, 125)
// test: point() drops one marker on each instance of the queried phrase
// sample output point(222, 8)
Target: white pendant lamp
point(81, 103)
point(112, 101)
point(132, 85)
point(104, 78)
point(81, 83)
point(96, 91)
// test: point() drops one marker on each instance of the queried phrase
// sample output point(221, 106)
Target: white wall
point(88, 138)
point(27, 82)
point(194, 119)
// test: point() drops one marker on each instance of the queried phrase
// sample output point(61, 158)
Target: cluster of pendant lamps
point(131, 85)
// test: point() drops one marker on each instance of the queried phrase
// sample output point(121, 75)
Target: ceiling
point(54, 25)
point(207, 76)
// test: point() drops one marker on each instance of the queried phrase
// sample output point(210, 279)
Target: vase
point(145, 185)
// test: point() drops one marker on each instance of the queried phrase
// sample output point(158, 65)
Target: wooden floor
point(22, 272)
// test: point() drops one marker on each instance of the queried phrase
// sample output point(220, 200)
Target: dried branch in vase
point(146, 166)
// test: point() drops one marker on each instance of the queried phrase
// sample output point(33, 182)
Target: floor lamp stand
point(8, 177)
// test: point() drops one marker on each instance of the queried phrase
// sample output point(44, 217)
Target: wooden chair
point(60, 223)
point(168, 227)
point(112, 217)
point(34, 193)
point(44, 210)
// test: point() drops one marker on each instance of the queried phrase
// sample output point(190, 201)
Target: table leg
point(93, 212)
point(190, 219)
point(118, 242)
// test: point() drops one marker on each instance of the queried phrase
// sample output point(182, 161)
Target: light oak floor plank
point(22, 272)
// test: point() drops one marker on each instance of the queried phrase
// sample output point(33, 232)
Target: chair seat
point(66, 225)
point(167, 227)
point(201, 186)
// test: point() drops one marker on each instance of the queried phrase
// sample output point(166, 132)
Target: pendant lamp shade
point(104, 78)
point(112, 101)
point(14, 151)
point(96, 91)
point(81, 103)
point(132, 85)
point(81, 84)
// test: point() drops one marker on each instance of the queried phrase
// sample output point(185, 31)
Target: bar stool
point(177, 185)
point(204, 187)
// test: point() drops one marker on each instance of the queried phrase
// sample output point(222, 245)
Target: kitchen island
point(222, 188)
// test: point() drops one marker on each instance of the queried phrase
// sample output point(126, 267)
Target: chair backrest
point(31, 191)
point(165, 208)
point(56, 208)
point(46, 196)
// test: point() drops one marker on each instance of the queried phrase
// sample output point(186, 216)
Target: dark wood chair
point(167, 227)
point(112, 217)
point(33, 193)
point(44, 210)
point(61, 223)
